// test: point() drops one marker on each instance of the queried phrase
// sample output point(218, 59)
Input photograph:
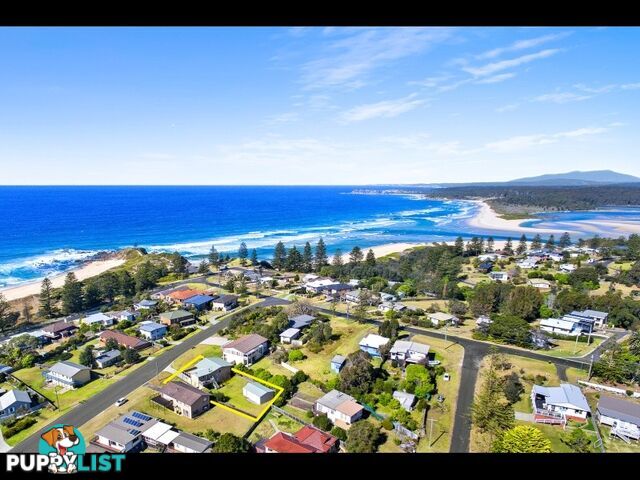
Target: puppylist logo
point(62, 450)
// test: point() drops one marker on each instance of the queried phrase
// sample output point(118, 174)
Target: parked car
point(121, 401)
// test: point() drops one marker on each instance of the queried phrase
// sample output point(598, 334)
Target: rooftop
point(151, 326)
point(67, 368)
point(256, 388)
point(13, 396)
point(565, 394)
point(374, 341)
point(199, 300)
point(624, 410)
point(183, 392)
point(247, 343)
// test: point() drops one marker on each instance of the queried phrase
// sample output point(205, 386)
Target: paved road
point(96, 404)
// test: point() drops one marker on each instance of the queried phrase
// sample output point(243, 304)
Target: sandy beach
point(89, 270)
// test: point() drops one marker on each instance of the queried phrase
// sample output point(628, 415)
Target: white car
point(121, 401)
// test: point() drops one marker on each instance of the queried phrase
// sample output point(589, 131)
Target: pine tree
point(371, 259)
point(254, 257)
point(214, 257)
point(522, 246)
point(47, 308)
point(536, 244)
point(490, 244)
point(8, 318)
point(565, 240)
point(294, 260)
point(71, 294)
point(551, 242)
point(279, 256)
point(522, 439)
point(243, 253)
point(337, 259)
point(508, 247)
point(321, 255)
point(307, 258)
point(356, 255)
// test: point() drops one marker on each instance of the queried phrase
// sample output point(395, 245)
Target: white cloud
point(508, 108)
point(491, 68)
point(386, 109)
point(497, 78)
point(523, 142)
point(287, 117)
point(630, 86)
point(561, 97)
point(522, 45)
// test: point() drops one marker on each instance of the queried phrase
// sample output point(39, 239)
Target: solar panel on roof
point(131, 421)
point(134, 432)
point(141, 416)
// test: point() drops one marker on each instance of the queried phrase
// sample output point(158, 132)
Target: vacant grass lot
point(233, 389)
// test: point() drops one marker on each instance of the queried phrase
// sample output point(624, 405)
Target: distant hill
point(595, 177)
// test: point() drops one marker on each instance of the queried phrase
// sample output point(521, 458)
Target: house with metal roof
point(306, 440)
point(340, 408)
point(59, 330)
point(560, 326)
point(406, 400)
point(209, 372)
point(439, 318)
point(152, 330)
point(597, 317)
point(185, 399)
point(301, 321)
point(337, 363)
point(246, 350)
point(559, 404)
point(98, 319)
point(145, 305)
point(289, 334)
point(124, 340)
point(108, 358)
point(186, 442)
point(179, 317)
point(257, 393)
point(409, 352)
point(14, 402)
point(68, 374)
point(199, 302)
point(623, 416)
point(372, 344)
point(224, 303)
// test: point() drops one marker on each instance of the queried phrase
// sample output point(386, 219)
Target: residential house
point(98, 319)
point(499, 276)
point(409, 352)
point(352, 296)
point(306, 440)
point(488, 257)
point(121, 315)
point(257, 393)
point(164, 294)
point(339, 290)
point(108, 358)
point(556, 257)
point(385, 307)
point(301, 321)
point(528, 263)
point(59, 330)
point(559, 404)
point(179, 296)
point(186, 400)
point(177, 317)
point(188, 443)
point(126, 341)
point(340, 408)
point(121, 438)
point(225, 303)
point(208, 372)
point(372, 344)
point(559, 326)
point(152, 330)
point(337, 363)
point(289, 334)
point(599, 318)
point(387, 297)
point(540, 283)
point(485, 267)
point(246, 350)
point(199, 302)
point(483, 320)
point(567, 267)
point(623, 416)
point(439, 318)
point(145, 305)
point(320, 285)
point(583, 323)
point(407, 400)
point(68, 374)
point(14, 402)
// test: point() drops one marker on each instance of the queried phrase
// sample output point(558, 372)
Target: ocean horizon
point(46, 230)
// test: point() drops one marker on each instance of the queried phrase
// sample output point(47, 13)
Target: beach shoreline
point(83, 272)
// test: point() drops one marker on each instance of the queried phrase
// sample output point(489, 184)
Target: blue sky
point(315, 105)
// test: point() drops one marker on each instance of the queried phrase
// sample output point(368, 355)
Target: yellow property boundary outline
point(278, 388)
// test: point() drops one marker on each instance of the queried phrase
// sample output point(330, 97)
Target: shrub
point(387, 424)
point(322, 422)
point(339, 433)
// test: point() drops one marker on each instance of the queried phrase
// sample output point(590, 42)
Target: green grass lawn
point(568, 348)
point(202, 349)
point(265, 428)
point(233, 389)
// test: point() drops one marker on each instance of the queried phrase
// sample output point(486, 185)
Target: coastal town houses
point(301, 321)
point(68, 374)
point(372, 344)
point(559, 326)
point(58, 330)
point(540, 283)
point(246, 350)
point(340, 408)
point(556, 405)
point(404, 351)
point(164, 294)
point(199, 302)
point(98, 319)
point(183, 399)
point(599, 318)
point(499, 276)
point(306, 440)
point(209, 372)
point(623, 416)
point(145, 305)
point(124, 340)
point(224, 303)
point(152, 331)
point(108, 358)
point(177, 317)
point(406, 400)
point(441, 318)
point(180, 296)
point(289, 335)
point(14, 402)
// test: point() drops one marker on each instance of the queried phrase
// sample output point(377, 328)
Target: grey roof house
point(14, 402)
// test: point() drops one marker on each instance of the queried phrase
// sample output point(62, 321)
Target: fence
point(291, 368)
point(606, 388)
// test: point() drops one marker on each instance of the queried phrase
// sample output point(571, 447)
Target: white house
point(483, 320)
point(559, 404)
point(499, 276)
point(257, 393)
point(246, 350)
point(567, 267)
point(68, 374)
point(372, 344)
point(289, 334)
point(540, 283)
point(342, 409)
point(528, 263)
point(599, 318)
point(409, 352)
point(560, 326)
point(100, 319)
point(621, 415)
point(443, 318)
point(14, 402)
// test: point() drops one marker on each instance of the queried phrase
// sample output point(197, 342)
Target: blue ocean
point(47, 230)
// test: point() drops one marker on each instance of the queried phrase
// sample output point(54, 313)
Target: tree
point(565, 240)
point(130, 356)
point(512, 329)
point(230, 443)
point(357, 377)
point(71, 294)
point(8, 318)
point(307, 258)
point(522, 245)
point(243, 253)
point(356, 255)
point(524, 302)
point(294, 260)
point(178, 263)
point(513, 388)
point(370, 261)
point(91, 294)
point(279, 256)
point(459, 246)
point(522, 439)
point(321, 255)
point(322, 422)
point(111, 344)
point(47, 308)
point(254, 257)
point(577, 440)
point(634, 344)
point(536, 243)
point(86, 356)
point(362, 437)
point(508, 247)
point(550, 243)
point(389, 328)
point(337, 259)
point(339, 433)
point(203, 267)
point(214, 257)
point(126, 283)
point(490, 244)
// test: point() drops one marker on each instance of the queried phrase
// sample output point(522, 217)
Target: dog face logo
point(62, 443)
